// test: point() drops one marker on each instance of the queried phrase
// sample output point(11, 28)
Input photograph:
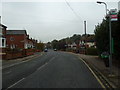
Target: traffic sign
point(113, 15)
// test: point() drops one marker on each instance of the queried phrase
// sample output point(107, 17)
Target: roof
point(3, 25)
point(16, 32)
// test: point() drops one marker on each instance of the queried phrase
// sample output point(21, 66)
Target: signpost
point(112, 18)
point(113, 14)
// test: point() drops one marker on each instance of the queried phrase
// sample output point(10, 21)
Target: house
point(74, 45)
point(2, 40)
point(2, 36)
point(30, 43)
point(87, 41)
point(17, 39)
point(34, 43)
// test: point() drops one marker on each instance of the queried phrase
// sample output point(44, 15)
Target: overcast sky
point(46, 21)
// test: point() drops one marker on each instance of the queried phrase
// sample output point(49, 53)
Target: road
point(54, 69)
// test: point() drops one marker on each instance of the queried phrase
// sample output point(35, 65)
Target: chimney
point(119, 6)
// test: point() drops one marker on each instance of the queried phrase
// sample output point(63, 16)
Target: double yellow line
point(92, 72)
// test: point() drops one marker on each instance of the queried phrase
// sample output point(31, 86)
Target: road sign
point(113, 14)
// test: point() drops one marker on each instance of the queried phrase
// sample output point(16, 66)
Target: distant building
point(16, 39)
point(88, 41)
point(30, 43)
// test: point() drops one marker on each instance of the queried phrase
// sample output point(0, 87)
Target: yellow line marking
point(92, 73)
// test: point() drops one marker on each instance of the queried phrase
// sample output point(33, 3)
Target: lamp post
point(110, 36)
point(104, 4)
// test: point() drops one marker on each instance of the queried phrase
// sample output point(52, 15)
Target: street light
point(110, 36)
point(105, 6)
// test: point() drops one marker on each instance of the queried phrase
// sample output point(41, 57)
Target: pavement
point(98, 64)
point(9, 63)
point(53, 69)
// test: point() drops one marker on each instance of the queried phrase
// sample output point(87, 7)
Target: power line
point(73, 10)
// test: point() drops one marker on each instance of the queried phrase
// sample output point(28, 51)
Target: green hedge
point(91, 51)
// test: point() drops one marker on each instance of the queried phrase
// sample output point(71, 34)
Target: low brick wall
point(29, 52)
point(17, 54)
point(9, 56)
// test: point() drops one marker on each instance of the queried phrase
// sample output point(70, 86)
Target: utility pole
point(85, 34)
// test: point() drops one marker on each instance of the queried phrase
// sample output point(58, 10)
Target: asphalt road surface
point(54, 69)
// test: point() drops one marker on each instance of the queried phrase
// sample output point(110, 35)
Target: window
point(12, 39)
point(12, 46)
point(3, 42)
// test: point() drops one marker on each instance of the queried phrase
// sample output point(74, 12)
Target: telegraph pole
point(85, 34)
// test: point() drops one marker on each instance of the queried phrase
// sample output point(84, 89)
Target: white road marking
point(15, 83)
point(24, 78)
point(41, 67)
point(8, 72)
point(45, 64)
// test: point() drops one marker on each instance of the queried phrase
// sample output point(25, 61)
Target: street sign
point(113, 14)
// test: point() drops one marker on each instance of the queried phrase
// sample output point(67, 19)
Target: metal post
point(85, 35)
point(105, 8)
point(110, 37)
point(85, 26)
point(110, 42)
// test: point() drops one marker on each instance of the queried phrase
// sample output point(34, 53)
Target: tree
point(102, 36)
point(75, 38)
point(55, 44)
point(40, 46)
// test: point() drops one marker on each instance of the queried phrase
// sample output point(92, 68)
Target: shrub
point(91, 51)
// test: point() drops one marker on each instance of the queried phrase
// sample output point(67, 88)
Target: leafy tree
point(40, 46)
point(75, 38)
point(102, 36)
point(55, 44)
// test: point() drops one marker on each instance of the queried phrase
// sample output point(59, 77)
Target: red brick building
point(19, 39)
point(16, 39)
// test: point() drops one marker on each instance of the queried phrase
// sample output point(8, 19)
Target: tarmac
point(112, 80)
point(110, 75)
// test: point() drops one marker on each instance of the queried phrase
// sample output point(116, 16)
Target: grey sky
point(46, 21)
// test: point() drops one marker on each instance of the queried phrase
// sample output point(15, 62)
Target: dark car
point(45, 50)
point(55, 49)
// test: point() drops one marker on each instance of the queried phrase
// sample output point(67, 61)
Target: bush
point(69, 50)
point(91, 51)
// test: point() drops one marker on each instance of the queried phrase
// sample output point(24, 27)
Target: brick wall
point(13, 55)
point(17, 54)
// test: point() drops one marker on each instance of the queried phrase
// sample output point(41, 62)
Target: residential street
point(60, 44)
point(54, 69)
